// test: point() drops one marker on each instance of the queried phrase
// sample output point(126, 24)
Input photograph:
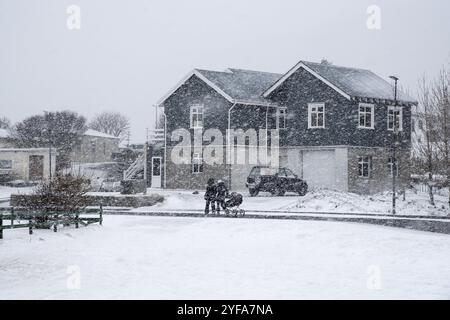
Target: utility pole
point(145, 160)
point(394, 146)
point(49, 135)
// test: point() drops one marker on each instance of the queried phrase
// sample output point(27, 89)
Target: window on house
point(281, 118)
point(5, 164)
point(395, 116)
point(197, 116)
point(316, 115)
point(391, 166)
point(197, 163)
point(365, 166)
point(93, 146)
point(420, 124)
point(366, 116)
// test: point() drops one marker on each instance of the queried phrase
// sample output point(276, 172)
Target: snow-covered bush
point(62, 196)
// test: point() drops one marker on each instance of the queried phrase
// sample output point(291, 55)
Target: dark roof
point(254, 87)
point(242, 85)
point(360, 83)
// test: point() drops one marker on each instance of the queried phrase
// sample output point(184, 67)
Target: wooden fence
point(15, 217)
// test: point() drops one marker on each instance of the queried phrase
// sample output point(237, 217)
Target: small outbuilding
point(28, 164)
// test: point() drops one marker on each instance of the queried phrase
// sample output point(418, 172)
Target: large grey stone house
point(94, 146)
point(335, 125)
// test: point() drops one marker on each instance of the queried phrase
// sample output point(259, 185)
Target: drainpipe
point(267, 122)
point(165, 146)
point(229, 144)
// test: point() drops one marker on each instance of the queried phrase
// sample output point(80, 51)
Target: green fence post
point(55, 226)
point(12, 217)
point(1, 225)
point(77, 215)
point(30, 226)
point(101, 214)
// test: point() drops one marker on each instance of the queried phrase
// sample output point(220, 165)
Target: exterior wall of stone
point(380, 179)
point(180, 176)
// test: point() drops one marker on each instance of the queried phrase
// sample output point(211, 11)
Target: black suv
point(277, 181)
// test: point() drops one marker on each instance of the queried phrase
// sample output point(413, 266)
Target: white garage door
point(319, 169)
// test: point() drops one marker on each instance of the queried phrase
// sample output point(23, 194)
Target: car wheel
point(303, 190)
point(253, 192)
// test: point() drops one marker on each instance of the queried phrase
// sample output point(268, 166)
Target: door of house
point(319, 169)
point(156, 172)
point(36, 168)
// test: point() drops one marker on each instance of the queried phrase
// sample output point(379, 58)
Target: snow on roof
point(242, 85)
point(357, 82)
point(95, 133)
point(4, 133)
point(254, 87)
point(350, 82)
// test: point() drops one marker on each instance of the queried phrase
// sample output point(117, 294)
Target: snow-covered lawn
point(204, 258)
point(320, 200)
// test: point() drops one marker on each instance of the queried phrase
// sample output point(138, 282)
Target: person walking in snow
point(210, 195)
point(221, 194)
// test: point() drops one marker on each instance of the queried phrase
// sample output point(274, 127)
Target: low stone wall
point(135, 201)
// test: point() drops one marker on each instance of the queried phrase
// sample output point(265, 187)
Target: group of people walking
point(215, 196)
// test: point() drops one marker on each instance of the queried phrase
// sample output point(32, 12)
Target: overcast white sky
point(130, 53)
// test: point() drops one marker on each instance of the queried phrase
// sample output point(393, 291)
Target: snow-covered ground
point(190, 258)
point(321, 200)
point(314, 201)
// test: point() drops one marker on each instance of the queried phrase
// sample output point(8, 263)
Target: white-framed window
point(391, 166)
point(281, 118)
point(365, 166)
point(196, 114)
point(197, 163)
point(366, 116)
point(316, 115)
point(395, 114)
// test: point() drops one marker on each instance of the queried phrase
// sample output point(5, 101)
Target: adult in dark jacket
point(210, 195)
point(221, 194)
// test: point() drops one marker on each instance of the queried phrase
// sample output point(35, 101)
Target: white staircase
point(135, 168)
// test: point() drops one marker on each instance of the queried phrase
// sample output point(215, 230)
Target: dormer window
point(196, 116)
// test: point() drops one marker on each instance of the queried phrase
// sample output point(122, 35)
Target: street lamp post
point(394, 146)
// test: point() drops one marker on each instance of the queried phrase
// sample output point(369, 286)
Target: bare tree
point(425, 152)
point(112, 123)
point(441, 97)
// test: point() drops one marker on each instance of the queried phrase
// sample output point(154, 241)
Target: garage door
point(319, 169)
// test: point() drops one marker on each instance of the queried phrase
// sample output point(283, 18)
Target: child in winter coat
point(221, 194)
point(210, 195)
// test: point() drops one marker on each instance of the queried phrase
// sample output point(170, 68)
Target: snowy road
point(186, 258)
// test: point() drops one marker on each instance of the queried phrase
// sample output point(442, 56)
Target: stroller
point(233, 203)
